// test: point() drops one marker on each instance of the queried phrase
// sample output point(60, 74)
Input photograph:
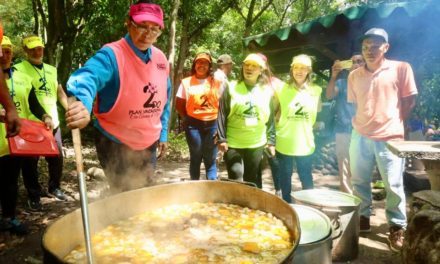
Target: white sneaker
point(278, 193)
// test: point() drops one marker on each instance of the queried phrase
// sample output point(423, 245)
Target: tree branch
point(304, 11)
point(283, 16)
point(237, 8)
point(204, 23)
point(262, 11)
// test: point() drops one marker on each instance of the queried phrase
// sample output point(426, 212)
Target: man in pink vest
point(130, 79)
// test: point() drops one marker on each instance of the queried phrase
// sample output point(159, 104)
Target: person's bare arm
point(62, 97)
point(162, 149)
point(332, 90)
point(181, 107)
point(10, 115)
point(408, 103)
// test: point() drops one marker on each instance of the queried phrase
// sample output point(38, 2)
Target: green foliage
point(177, 147)
point(105, 24)
point(428, 105)
point(16, 26)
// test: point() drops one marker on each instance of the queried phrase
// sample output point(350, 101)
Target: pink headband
point(147, 12)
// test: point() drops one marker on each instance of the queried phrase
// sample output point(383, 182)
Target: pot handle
point(335, 221)
point(336, 228)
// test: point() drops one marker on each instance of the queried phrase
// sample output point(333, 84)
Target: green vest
point(45, 82)
point(298, 115)
point(249, 113)
point(22, 87)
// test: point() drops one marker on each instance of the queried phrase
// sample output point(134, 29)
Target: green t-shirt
point(294, 129)
point(45, 81)
point(250, 111)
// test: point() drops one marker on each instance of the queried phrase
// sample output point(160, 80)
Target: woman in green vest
point(246, 121)
point(299, 103)
point(27, 105)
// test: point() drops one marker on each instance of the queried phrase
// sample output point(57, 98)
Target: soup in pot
point(192, 233)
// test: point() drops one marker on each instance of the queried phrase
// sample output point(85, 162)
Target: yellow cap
point(302, 59)
point(257, 59)
point(33, 42)
point(6, 42)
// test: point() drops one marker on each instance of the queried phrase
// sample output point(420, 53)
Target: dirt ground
point(372, 248)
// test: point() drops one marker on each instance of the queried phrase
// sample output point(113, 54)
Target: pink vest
point(135, 117)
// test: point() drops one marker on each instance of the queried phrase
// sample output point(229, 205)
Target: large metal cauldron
point(66, 233)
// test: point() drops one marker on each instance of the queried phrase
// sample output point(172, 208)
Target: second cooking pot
point(343, 211)
point(315, 245)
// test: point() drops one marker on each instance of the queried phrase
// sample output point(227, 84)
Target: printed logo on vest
point(298, 111)
point(151, 106)
point(43, 87)
point(204, 104)
point(152, 90)
point(248, 111)
point(161, 66)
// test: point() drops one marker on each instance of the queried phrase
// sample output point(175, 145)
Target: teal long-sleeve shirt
point(100, 75)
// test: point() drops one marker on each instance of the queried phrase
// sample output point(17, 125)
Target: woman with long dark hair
point(197, 101)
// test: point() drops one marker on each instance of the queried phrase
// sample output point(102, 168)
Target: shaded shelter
point(412, 27)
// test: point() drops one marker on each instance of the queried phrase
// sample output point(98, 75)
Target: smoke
point(413, 31)
point(126, 169)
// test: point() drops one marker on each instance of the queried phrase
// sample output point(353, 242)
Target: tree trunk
point(55, 28)
point(171, 57)
point(65, 60)
point(178, 70)
point(172, 36)
point(35, 12)
point(64, 23)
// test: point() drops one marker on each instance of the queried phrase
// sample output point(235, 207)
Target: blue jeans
point(200, 139)
point(283, 168)
point(365, 153)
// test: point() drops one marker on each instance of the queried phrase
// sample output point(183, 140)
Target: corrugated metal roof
point(412, 27)
point(383, 10)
